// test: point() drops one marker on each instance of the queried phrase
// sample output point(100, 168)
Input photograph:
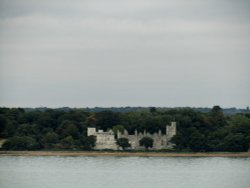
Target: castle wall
point(160, 141)
point(106, 140)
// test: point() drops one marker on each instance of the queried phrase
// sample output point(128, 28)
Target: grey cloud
point(113, 53)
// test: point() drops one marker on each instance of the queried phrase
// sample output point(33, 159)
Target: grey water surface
point(124, 172)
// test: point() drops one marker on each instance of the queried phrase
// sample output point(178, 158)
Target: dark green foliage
point(123, 142)
point(211, 131)
point(10, 129)
point(67, 143)
point(216, 117)
point(88, 142)
point(152, 110)
point(67, 128)
point(235, 142)
point(117, 128)
point(50, 139)
point(27, 130)
point(197, 141)
point(3, 123)
point(21, 143)
point(107, 119)
point(147, 142)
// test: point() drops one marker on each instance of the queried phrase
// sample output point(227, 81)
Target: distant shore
point(121, 154)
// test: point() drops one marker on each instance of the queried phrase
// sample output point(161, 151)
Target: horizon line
point(151, 106)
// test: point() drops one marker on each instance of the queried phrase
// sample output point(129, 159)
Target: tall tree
point(147, 142)
point(88, 142)
point(217, 118)
point(50, 139)
point(123, 142)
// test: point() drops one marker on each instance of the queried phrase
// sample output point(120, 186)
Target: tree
point(67, 142)
point(15, 114)
point(240, 124)
point(180, 141)
point(50, 139)
point(21, 143)
point(27, 130)
point(216, 138)
point(235, 142)
point(152, 110)
point(198, 129)
point(147, 142)
point(197, 141)
point(107, 119)
point(3, 123)
point(10, 129)
point(117, 128)
point(123, 142)
point(88, 142)
point(217, 118)
point(67, 128)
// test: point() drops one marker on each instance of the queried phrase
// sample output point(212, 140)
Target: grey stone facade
point(106, 140)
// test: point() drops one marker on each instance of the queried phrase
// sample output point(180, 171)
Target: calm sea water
point(124, 172)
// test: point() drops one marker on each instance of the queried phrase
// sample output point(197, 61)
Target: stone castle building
point(106, 140)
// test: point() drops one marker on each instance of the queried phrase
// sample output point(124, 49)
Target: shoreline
point(121, 154)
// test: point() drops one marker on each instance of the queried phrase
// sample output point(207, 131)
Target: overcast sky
point(81, 53)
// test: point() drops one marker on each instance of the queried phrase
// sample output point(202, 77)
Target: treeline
point(227, 111)
point(60, 129)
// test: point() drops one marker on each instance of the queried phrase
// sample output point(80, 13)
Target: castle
point(106, 140)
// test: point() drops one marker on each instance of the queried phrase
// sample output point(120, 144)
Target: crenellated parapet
point(106, 140)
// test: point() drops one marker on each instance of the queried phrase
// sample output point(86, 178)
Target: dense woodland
point(67, 129)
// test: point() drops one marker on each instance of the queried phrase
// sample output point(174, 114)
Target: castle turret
point(171, 129)
point(119, 134)
point(136, 133)
point(159, 132)
point(125, 132)
point(91, 131)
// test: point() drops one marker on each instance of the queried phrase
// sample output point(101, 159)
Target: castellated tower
point(171, 129)
point(91, 131)
point(104, 140)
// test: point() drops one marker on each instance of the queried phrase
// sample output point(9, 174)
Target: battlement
point(106, 140)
